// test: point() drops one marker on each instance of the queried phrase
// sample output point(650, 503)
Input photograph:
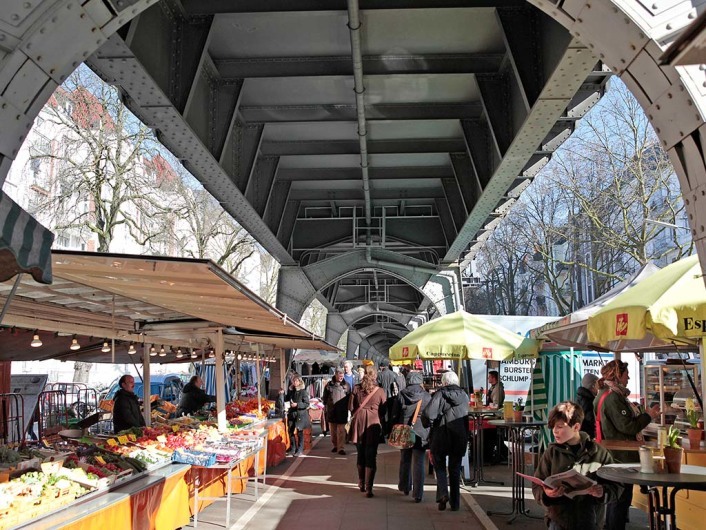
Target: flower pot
point(672, 458)
point(517, 415)
point(695, 438)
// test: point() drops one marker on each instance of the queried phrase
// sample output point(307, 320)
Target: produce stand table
point(203, 475)
point(156, 499)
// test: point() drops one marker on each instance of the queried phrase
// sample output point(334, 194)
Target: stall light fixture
point(240, 356)
point(211, 354)
point(131, 350)
point(74, 344)
point(162, 352)
point(153, 351)
point(106, 347)
point(193, 354)
point(179, 354)
point(36, 341)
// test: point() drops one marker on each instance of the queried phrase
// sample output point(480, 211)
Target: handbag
point(599, 430)
point(402, 436)
point(350, 421)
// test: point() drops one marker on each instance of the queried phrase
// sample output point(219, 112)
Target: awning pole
point(257, 376)
point(10, 296)
point(146, 385)
point(220, 382)
point(703, 374)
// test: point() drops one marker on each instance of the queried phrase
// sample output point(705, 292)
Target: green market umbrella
point(461, 335)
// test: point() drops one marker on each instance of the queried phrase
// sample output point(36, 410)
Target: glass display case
point(668, 385)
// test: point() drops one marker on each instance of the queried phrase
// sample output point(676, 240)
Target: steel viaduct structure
point(371, 146)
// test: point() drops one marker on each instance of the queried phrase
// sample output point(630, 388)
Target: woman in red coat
point(366, 427)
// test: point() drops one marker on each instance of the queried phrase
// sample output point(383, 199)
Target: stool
point(307, 438)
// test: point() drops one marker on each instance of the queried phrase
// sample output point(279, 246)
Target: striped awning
point(25, 245)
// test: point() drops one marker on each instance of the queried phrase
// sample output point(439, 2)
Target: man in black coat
point(126, 407)
point(193, 397)
point(387, 380)
point(584, 397)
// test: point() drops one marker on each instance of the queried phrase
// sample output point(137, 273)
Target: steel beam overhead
point(367, 145)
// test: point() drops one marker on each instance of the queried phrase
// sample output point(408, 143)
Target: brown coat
point(365, 425)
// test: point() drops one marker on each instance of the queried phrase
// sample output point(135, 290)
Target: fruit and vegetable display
point(37, 480)
point(35, 493)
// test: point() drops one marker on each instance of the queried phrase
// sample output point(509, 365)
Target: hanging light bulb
point(153, 351)
point(193, 354)
point(162, 352)
point(106, 347)
point(74, 344)
point(131, 350)
point(179, 354)
point(240, 356)
point(36, 341)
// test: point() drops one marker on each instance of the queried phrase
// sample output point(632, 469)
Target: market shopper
point(585, 396)
point(298, 414)
point(573, 450)
point(388, 382)
point(407, 408)
point(619, 419)
point(348, 376)
point(193, 397)
point(447, 415)
point(366, 404)
point(335, 400)
point(126, 406)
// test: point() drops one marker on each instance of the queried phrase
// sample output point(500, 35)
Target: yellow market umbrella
point(670, 305)
point(461, 335)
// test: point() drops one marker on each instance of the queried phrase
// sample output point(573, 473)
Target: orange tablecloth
point(161, 505)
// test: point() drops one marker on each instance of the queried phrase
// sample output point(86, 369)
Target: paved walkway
point(319, 490)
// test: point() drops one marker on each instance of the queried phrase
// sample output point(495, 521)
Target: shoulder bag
point(599, 431)
point(402, 436)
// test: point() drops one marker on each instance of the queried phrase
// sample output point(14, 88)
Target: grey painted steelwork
point(464, 103)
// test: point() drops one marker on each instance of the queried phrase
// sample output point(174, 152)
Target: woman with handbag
point(367, 402)
point(447, 415)
point(298, 414)
point(407, 411)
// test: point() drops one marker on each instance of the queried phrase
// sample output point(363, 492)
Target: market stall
point(149, 310)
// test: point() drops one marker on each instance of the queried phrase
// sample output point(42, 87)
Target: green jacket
point(619, 423)
point(583, 512)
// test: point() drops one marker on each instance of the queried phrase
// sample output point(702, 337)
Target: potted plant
point(517, 409)
point(694, 432)
point(673, 451)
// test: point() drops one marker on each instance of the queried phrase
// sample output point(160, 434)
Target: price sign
point(175, 428)
point(100, 460)
point(132, 437)
point(122, 439)
point(112, 442)
point(162, 439)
